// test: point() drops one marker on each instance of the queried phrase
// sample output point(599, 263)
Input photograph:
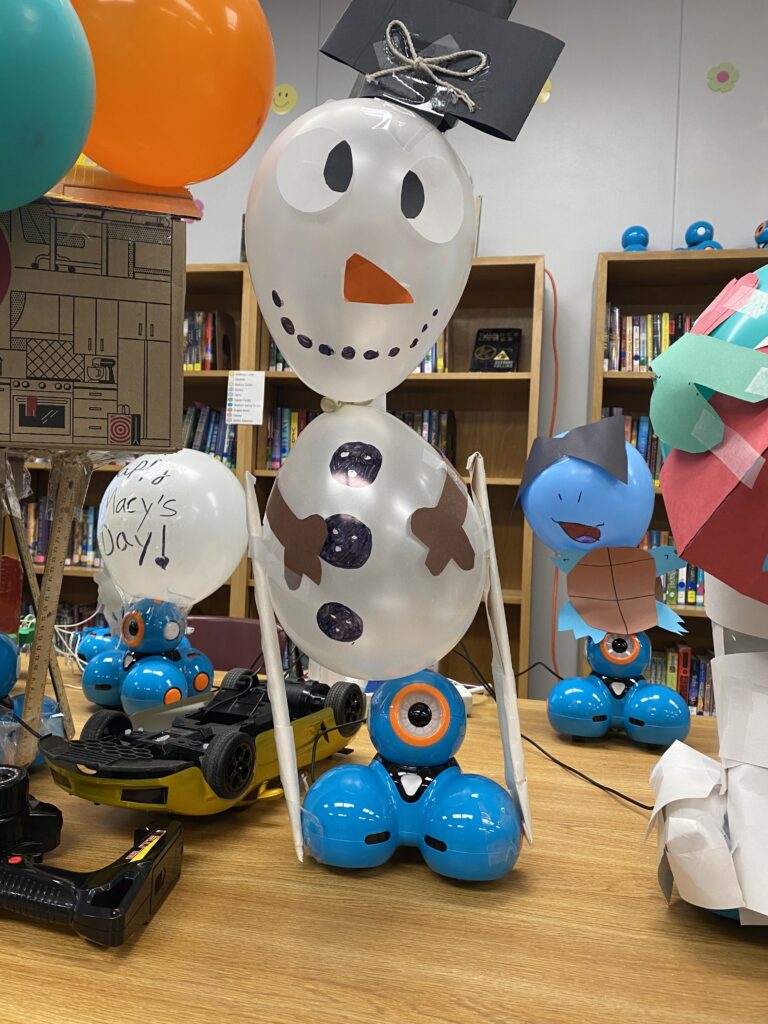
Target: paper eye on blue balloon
point(573, 503)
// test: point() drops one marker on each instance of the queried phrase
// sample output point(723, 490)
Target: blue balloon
point(47, 85)
point(574, 505)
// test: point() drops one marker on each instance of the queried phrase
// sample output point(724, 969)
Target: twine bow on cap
point(437, 68)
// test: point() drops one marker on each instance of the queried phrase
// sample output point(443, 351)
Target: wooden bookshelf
point(654, 282)
point(496, 414)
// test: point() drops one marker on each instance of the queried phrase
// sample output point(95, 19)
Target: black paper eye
point(436, 199)
point(412, 196)
point(338, 168)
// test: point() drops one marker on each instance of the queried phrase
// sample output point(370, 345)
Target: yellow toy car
point(209, 758)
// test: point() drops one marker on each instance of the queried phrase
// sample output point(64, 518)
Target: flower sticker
point(722, 77)
point(546, 91)
point(201, 209)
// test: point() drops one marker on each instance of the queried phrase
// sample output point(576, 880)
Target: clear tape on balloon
point(428, 79)
point(734, 451)
point(10, 497)
point(748, 301)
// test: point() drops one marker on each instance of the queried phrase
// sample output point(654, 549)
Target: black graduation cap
point(602, 444)
point(448, 59)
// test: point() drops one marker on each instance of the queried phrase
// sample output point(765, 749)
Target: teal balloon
point(47, 93)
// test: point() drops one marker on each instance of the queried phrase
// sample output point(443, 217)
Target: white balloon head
point(360, 232)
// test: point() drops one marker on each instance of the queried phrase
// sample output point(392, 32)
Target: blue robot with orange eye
point(150, 664)
point(413, 793)
point(616, 697)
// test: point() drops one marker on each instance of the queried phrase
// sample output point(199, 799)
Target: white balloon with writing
point(173, 527)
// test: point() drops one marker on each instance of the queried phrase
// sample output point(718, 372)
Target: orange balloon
point(182, 86)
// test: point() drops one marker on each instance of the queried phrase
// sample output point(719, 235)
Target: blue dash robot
point(413, 793)
point(151, 663)
point(616, 697)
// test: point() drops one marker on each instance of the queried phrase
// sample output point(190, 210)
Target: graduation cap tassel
point(430, 66)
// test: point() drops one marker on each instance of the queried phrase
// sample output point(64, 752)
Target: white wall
point(631, 134)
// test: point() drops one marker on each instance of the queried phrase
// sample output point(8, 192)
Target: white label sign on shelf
point(245, 397)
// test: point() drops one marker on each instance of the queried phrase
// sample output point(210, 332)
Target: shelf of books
point(460, 410)
point(644, 301)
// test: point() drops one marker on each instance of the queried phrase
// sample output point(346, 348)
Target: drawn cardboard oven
point(91, 308)
point(712, 500)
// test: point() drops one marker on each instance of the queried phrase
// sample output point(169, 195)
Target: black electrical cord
point(540, 664)
point(555, 760)
point(8, 705)
point(323, 734)
point(587, 778)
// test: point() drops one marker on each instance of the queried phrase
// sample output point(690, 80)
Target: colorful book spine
point(684, 671)
point(700, 588)
point(672, 659)
point(285, 434)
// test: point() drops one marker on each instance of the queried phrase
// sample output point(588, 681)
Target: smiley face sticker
point(284, 99)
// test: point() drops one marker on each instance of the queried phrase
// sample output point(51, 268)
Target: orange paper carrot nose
point(366, 282)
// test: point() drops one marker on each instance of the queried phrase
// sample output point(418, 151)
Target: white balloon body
point(172, 527)
point(360, 233)
point(363, 463)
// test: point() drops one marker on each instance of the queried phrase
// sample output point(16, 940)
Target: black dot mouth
point(348, 352)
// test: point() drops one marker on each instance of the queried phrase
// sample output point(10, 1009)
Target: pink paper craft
point(726, 303)
point(717, 503)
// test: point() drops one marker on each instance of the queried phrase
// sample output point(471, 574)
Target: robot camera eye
point(619, 645)
point(419, 715)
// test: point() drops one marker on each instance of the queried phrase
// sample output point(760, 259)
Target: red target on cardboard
point(124, 429)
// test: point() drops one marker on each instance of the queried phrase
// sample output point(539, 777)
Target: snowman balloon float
point(360, 232)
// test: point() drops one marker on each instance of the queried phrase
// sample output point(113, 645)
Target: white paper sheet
point(733, 610)
point(741, 699)
point(748, 825)
point(712, 816)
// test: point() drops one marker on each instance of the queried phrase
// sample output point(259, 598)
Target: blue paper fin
point(569, 619)
point(666, 559)
point(566, 560)
point(669, 619)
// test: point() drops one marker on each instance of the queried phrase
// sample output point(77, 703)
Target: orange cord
point(555, 356)
point(555, 395)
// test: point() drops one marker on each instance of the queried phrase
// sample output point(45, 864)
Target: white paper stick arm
point(285, 741)
point(503, 673)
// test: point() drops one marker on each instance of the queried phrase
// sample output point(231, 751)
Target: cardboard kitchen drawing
point(92, 280)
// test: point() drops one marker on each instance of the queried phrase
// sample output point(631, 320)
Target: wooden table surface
point(578, 932)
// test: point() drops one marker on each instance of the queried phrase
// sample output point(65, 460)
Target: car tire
point(234, 677)
point(347, 702)
point(229, 763)
point(105, 724)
